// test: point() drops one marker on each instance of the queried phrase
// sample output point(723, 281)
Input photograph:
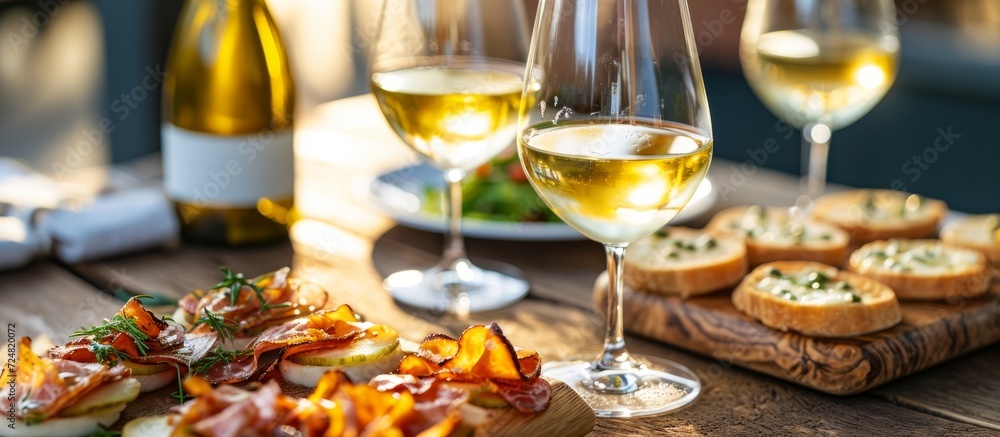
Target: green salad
point(496, 191)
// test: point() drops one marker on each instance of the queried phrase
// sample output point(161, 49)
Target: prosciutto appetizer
point(155, 351)
point(240, 309)
point(63, 397)
point(309, 347)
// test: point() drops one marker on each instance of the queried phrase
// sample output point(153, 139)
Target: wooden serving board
point(930, 333)
point(568, 414)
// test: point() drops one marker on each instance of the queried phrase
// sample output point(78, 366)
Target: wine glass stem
point(817, 136)
point(615, 356)
point(454, 246)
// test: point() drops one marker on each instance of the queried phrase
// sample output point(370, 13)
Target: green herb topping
point(117, 323)
point(218, 324)
point(234, 283)
point(220, 355)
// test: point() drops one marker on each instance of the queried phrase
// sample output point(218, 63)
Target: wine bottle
point(228, 103)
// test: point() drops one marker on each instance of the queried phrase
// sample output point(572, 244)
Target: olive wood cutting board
point(710, 325)
point(568, 414)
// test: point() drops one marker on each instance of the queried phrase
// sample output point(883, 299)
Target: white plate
point(399, 194)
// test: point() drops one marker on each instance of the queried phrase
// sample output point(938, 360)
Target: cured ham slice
point(229, 411)
point(335, 408)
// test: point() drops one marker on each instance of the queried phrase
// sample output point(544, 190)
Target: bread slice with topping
point(816, 299)
point(979, 232)
point(684, 262)
point(923, 269)
point(773, 234)
point(869, 215)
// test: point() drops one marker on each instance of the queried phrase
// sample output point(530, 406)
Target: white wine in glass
point(447, 75)
point(819, 65)
point(615, 136)
point(459, 113)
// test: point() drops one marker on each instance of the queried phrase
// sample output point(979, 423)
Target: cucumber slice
point(361, 351)
point(116, 393)
point(149, 426)
point(147, 369)
point(66, 426)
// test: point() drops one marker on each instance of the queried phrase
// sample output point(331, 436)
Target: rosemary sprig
point(117, 323)
point(203, 365)
point(234, 283)
point(179, 394)
point(218, 324)
point(107, 354)
point(269, 306)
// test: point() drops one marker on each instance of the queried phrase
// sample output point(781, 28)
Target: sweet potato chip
point(482, 355)
point(482, 351)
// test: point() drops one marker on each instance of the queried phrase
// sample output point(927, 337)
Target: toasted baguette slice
point(869, 215)
point(684, 262)
point(770, 294)
point(772, 234)
point(979, 232)
point(923, 269)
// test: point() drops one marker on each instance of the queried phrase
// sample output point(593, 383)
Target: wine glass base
point(496, 285)
point(656, 387)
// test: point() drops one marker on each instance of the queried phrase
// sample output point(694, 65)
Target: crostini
point(684, 262)
point(869, 215)
point(54, 397)
point(816, 299)
point(979, 232)
point(773, 234)
point(923, 269)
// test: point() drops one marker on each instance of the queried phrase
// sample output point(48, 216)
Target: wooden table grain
point(349, 248)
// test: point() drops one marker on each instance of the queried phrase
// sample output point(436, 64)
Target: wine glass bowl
point(615, 136)
point(470, 118)
point(447, 75)
point(819, 65)
point(615, 181)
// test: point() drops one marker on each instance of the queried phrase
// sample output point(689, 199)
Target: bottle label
point(226, 170)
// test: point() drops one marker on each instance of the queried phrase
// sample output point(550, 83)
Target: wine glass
point(447, 75)
point(819, 65)
point(615, 136)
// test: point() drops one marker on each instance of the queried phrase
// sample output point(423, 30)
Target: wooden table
point(349, 248)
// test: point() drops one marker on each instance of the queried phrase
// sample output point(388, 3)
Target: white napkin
point(26, 189)
point(37, 213)
point(115, 223)
point(18, 244)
